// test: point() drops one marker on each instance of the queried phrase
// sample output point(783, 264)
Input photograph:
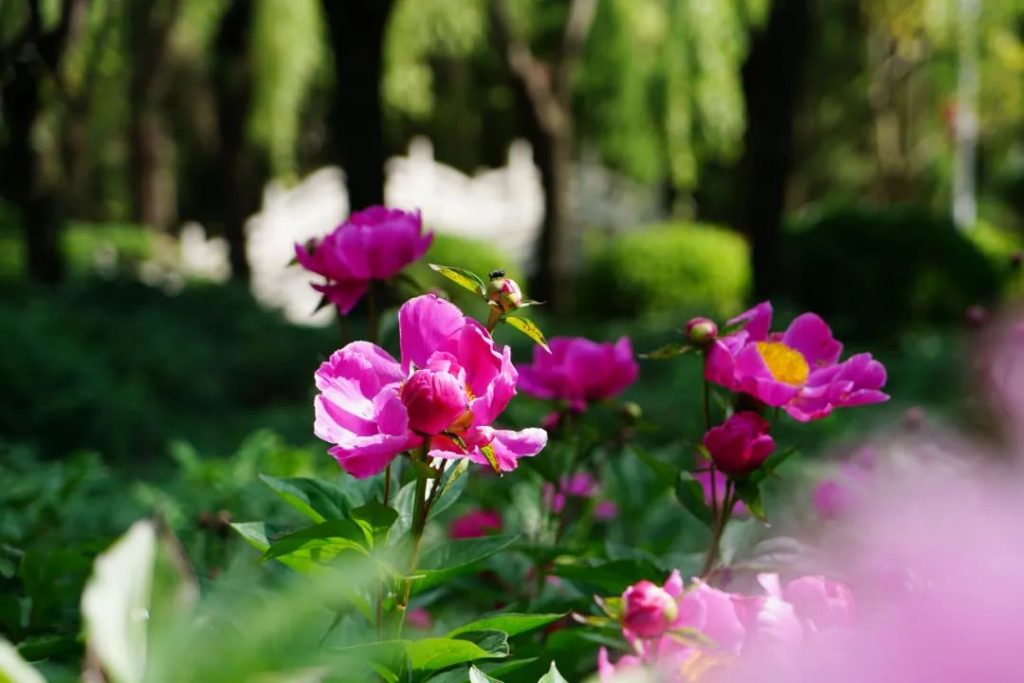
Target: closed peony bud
point(649, 610)
point(701, 331)
point(504, 292)
point(740, 444)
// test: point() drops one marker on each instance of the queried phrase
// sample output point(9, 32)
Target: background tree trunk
point(356, 30)
point(772, 76)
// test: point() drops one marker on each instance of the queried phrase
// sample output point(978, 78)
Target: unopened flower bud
point(701, 331)
point(631, 412)
point(649, 610)
point(504, 291)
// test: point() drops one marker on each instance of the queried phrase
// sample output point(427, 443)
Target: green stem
point(387, 484)
point(706, 404)
point(716, 537)
point(419, 522)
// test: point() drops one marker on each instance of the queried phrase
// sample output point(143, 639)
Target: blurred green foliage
point(666, 269)
point(872, 272)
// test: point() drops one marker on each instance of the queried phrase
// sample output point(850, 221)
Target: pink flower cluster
point(681, 634)
point(374, 244)
point(450, 386)
point(797, 370)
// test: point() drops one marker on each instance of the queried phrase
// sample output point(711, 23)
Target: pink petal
point(509, 446)
point(424, 324)
point(344, 294)
point(366, 456)
point(367, 365)
point(809, 335)
point(758, 320)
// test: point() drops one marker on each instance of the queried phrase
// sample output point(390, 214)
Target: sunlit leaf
point(322, 542)
point(316, 499)
point(441, 563)
point(461, 277)
point(552, 676)
point(375, 519)
point(432, 654)
point(529, 328)
point(478, 676)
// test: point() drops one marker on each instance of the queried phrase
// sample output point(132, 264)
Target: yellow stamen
point(785, 363)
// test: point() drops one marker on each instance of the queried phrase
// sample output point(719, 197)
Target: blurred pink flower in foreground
point(579, 370)
point(739, 445)
point(475, 523)
point(452, 383)
point(797, 370)
point(373, 244)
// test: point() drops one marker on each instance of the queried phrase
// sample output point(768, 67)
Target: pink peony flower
point(419, 618)
point(820, 602)
point(451, 385)
point(740, 444)
point(797, 370)
point(579, 370)
point(374, 244)
point(475, 524)
point(650, 610)
point(712, 612)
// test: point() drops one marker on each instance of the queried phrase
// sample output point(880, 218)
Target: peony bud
point(504, 292)
point(740, 444)
point(434, 400)
point(649, 610)
point(701, 331)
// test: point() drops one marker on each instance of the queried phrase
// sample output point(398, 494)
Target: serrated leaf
point(552, 676)
point(441, 563)
point(462, 277)
point(668, 351)
point(318, 500)
point(690, 495)
point(322, 542)
point(513, 624)
point(492, 459)
point(529, 328)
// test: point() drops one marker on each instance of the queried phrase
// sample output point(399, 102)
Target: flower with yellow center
point(786, 364)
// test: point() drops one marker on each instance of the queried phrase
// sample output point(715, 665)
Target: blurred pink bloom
point(713, 613)
point(838, 496)
point(740, 444)
point(419, 618)
point(374, 244)
point(820, 602)
point(650, 610)
point(605, 510)
point(797, 370)
point(579, 485)
point(703, 477)
point(579, 370)
point(475, 523)
point(452, 381)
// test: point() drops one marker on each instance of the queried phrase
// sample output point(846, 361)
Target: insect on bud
point(504, 291)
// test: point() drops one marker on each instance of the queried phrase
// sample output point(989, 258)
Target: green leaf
point(433, 654)
point(461, 277)
point(375, 519)
point(254, 533)
point(690, 494)
point(664, 472)
point(770, 465)
point(552, 676)
point(441, 563)
point(318, 500)
point(610, 578)
point(450, 487)
point(529, 328)
point(403, 503)
point(668, 351)
point(478, 676)
point(513, 624)
point(491, 640)
point(492, 459)
point(320, 543)
point(750, 493)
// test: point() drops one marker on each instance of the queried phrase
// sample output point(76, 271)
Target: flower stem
point(706, 404)
point(387, 484)
point(419, 522)
point(716, 536)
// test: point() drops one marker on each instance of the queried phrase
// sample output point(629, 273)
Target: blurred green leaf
point(316, 499)
point(376, 520)
point(511, 623)
point(321, 543)
point(443, 562)
point(690, 494)
point(668, 351)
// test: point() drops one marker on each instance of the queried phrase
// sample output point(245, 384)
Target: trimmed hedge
point(667, 268)
point(876, 271)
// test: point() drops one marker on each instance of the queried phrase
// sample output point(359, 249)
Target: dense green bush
point(666, 268)
point(875, 271)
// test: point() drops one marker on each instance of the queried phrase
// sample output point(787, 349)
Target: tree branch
point(577, 28)
point(531, 72)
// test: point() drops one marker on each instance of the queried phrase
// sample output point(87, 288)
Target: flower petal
point(424, 324)
point(811, 336)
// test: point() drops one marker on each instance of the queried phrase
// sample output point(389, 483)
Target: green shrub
point(675, 267)
point(876, 271)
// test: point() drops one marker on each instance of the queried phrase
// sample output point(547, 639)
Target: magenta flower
point(449, 388)
point(579, 370)
point(475, 524)
point(712, 612)
point(740, 444)
point(820, 602)
point(374, 244)
point(651, 610)
point(797, 370)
